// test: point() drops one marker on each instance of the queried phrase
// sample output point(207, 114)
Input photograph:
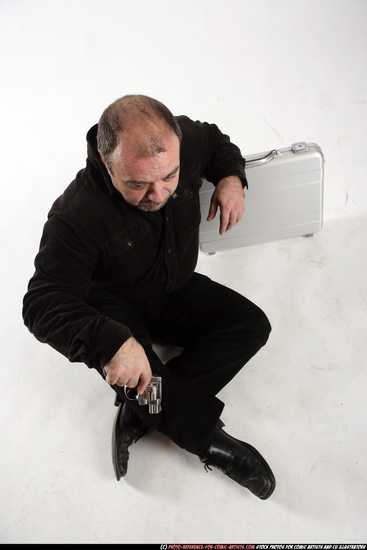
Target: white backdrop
point(269, 73)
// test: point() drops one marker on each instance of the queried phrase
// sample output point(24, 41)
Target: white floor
point(302, 400)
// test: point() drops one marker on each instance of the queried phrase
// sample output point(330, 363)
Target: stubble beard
point(150, 206)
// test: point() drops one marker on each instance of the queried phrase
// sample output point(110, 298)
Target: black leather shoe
point(240, 462)
point(127, 429)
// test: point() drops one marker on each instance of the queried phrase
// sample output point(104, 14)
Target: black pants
point(220, 331)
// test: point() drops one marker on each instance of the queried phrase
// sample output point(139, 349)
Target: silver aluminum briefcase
point(284, 199)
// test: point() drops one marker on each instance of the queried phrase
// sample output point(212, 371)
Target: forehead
point(141, 155)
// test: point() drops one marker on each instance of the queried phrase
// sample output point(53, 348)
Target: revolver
point(151, 396)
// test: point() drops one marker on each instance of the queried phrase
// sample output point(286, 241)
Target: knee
point(263, 329)
point(255, 329)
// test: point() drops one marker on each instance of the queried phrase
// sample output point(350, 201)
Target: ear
point(105, 163)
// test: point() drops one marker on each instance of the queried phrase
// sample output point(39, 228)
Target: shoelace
point(217, 460)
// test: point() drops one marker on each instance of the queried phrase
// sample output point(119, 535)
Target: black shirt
point(95, 241)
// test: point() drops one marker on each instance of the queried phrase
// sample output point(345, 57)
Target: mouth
point(150, 206)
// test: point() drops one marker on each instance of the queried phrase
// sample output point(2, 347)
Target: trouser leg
point(188, 414)
point(219, 329)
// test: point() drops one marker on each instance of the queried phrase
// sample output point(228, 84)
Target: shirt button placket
point(168, 254)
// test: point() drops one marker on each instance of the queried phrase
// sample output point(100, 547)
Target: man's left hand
point(229, 196)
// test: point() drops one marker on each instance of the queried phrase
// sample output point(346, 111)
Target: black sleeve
point(55, 308)
point(217, 156)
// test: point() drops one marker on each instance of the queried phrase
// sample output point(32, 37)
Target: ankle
point(201, 448)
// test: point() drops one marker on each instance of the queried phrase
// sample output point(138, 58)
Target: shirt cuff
point(110, 337)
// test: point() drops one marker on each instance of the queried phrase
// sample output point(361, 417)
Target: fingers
point(145, 378)
point(225, 215)
point(224, 222)
point(120, 378)
point(230, 212)
point(129, 367)
point(228, 219)
point(129, 379)
point(111, 378)
point(212, 210)
point(141, 381)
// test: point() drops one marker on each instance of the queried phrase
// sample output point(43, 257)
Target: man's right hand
point(129, 367)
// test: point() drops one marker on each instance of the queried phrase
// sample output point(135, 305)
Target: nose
point(155, 192)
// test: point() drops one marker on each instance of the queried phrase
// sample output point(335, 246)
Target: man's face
point(146, 182)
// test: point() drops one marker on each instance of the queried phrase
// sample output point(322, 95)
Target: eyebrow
point(143, 182)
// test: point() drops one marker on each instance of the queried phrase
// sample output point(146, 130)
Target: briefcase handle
point(263, 160)
point(299, 147)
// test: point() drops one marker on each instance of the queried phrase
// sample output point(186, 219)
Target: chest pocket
point(127, 239)
point(187, 205)
point(130, 254)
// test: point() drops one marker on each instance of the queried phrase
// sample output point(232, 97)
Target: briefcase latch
point(299, 147)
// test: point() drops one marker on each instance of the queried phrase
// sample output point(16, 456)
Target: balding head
point(137, 123)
